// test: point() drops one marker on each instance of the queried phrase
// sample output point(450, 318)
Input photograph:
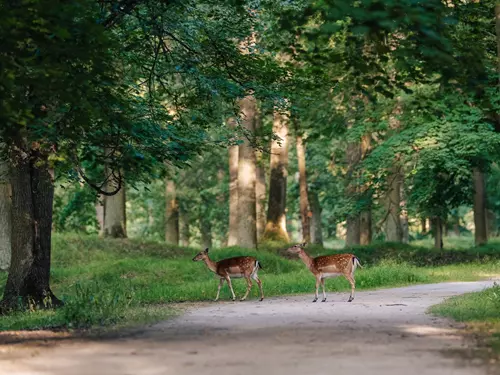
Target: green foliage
point(107, 282)
point(74, 209)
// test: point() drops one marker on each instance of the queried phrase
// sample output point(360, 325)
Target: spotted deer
point(327, 266)
point(236, 267)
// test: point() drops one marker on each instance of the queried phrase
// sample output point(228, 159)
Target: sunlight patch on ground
point(422, 330)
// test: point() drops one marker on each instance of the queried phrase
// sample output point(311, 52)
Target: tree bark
point(353, 156)
point(365, 227)
point(437, 228)
point(492, 223)
point(480, 233)
point(171, 213)
point(206, 232)
point(316, 225)
point(5, 216)
point(260, 189)
point(423, 225)
point(276, 209)
point(305, 212)
point(32, 199)
point(247, 206)
point(115, 219)
point(232, 239)
point(365, 217)
point(184, 231)
point(393, 230)
point(405, 226)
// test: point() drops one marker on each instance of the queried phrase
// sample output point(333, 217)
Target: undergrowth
point(106, 282)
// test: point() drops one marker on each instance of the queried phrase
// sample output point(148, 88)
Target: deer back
point(243, 265)
point(339, 263)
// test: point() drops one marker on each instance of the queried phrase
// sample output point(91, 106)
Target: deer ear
point(206, 250)
point(304, 244)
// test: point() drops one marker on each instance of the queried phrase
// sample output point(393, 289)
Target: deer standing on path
point(236, 267)
point(328, 266)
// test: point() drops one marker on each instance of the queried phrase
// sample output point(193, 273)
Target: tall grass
point(106, 282)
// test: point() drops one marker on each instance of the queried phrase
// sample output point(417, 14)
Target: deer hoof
point(350, 299)
point(314, 300)
point(262, 299)
point(241, 300)
point(323, 300)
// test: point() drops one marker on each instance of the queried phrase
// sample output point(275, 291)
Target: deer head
point(202, 255)
point(295, 249)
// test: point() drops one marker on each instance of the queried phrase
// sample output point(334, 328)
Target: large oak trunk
point(232, 239)
point(276, 209)
point(32, 199)
point(316, 226)
point(5, 216)
point(305, 212)
point(247, 209)
point(365, 227)
point(480, 233)
point(115, 218)
point(171, 213)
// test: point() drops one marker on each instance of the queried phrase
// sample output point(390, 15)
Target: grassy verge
point(481, 312)
point(109, 282)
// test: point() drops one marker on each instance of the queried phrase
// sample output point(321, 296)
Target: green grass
point(107, 282)
point(481, 311)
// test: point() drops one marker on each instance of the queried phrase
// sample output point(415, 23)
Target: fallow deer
point(328, 266)
point(236, 267)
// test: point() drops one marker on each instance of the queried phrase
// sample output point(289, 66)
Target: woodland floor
point(382, 332)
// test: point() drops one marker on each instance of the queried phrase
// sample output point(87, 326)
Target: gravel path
point(382, 332)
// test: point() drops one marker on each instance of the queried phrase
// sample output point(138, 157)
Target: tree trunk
point(247, 206)
point(365, 227)
point(437, 228)
point(171, 213)
point(5, 216)
point(393, 230)
point(260, 189)
point(276, 208)
point(353, 156)
point(405, 226)
point(480, 233)
point(206, 232)
point(184, 231)
point(316, 226)
point(423, 225)
point(232, 238)
point(305, 212)
point(365, 217)
point(115, 219)
point(32, 199)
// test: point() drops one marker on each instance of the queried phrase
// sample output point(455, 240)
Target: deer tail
point(356, 262)
point(258, 265)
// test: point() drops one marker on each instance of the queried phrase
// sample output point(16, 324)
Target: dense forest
point(238, 123)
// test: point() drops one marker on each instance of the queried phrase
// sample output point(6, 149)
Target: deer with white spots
point(327, 266)
point(236, 267)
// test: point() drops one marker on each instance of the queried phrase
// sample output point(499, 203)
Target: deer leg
point(324, 293)
point(259, 283)
point(228, 279)
point(353, 286)
point(317, 287)
point(249, 287)
point(221, 281)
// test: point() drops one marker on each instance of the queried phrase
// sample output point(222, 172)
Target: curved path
point(382, 332)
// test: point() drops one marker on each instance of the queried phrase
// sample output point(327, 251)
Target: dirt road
point(381, 332)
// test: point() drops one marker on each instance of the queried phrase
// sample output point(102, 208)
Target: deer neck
point(308, 261)
point(212, 266)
